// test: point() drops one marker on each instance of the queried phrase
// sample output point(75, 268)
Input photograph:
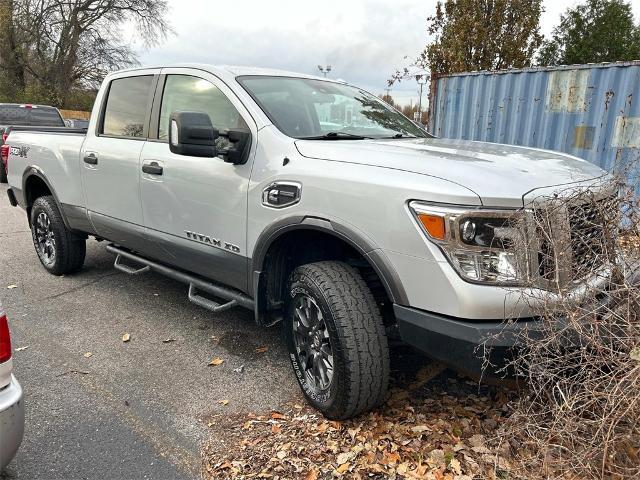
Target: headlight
point(484, 246)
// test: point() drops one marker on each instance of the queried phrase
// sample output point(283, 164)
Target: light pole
point(421, 78)
point(324, 69)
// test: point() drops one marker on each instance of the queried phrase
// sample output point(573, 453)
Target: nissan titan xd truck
point(309, 201)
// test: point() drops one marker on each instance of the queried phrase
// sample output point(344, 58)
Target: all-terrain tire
point(355, 331)
point(64, 251)
point(3, 173)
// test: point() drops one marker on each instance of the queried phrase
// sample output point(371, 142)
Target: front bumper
point(11, 421)
point(465, 345)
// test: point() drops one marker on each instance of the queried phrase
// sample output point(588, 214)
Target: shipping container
point(591, 111)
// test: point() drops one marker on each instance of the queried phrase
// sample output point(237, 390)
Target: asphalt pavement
point(101, 408)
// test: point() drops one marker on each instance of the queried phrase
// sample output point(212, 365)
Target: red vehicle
point(11, 402)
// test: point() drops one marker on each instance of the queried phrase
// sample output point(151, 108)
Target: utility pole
point(324, 69)
point(421, 78)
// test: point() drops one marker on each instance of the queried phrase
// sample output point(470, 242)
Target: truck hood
point(501, 175)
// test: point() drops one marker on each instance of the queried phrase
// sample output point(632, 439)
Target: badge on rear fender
point(20, 151)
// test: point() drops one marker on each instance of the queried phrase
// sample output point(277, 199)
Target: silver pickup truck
point(309, 201)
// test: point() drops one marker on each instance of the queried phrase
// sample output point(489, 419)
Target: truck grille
point(578, 244)
point(588, 240)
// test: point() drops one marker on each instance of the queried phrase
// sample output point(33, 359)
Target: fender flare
point(371, 252)
point(34, 171)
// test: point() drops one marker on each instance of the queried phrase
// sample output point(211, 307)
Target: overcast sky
point(363, 40)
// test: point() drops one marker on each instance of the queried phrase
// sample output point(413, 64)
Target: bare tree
point(62, 45)
point(12, 54)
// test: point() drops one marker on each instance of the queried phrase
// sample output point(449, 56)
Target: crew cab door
point(194, 208)
point(110, 158)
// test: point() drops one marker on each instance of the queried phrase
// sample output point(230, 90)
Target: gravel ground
point(130, 410)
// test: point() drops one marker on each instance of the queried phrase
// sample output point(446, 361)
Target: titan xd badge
point(214, 242)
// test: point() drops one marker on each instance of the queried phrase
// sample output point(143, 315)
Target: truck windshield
point(27, 115)
point(316, 109)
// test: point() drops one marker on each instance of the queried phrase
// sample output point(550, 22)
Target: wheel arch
point(309, 226)
point(35, 184)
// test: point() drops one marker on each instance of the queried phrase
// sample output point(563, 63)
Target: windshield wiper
point(401, 135)
point(337, 136)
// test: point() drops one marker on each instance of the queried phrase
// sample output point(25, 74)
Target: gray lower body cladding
point(212, 263)
point(463, 343)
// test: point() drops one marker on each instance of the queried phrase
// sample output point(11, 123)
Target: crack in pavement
point(6, 234)
point(77, 288)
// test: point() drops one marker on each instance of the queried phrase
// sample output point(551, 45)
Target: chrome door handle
point(152, 168)
point(91, 159)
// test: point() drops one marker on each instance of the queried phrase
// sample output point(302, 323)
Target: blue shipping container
point(590, 111)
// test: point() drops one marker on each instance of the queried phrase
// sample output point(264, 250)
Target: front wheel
point(59, 249)
point(336, 339)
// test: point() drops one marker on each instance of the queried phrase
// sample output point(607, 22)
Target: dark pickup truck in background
point(17, 114)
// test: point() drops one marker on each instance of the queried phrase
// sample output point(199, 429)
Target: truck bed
point(54, 150)
point(58, 130)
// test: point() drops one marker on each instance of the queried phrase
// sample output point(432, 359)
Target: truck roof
point(24, 104)
point(232, 71)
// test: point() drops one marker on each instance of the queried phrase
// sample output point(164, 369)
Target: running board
point(118, 265)
point(233, 297)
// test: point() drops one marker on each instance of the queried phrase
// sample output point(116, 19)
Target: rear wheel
point(59, 249)
point(336, 339)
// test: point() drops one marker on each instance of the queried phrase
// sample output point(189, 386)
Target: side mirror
point(193, 134)
point(240, 140)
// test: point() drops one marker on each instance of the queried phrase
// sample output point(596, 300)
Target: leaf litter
point(441, 428)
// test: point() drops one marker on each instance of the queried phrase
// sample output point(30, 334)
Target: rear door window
point(127, 108)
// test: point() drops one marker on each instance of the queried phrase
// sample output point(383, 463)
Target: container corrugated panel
point(590, 111)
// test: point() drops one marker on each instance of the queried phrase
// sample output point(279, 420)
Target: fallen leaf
point(126, 337)
point(342, 468)
point(278, 416)
point(436, 458)
point(88, 354)
point(455, 467)
point(390, 458)
point(216, 361)
point(281, 454)
point(276, 428)
point(168, 340)
point(635, 354)
point(224, 466)
point(223, 402)
point(11, 287)
point(345, 457)
point(312, 474)
point(19, 349)
point(420, 429)
point(477, 440)
point(240, 369)
point(261, 349)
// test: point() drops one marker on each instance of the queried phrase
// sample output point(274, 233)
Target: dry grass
point(580, 417)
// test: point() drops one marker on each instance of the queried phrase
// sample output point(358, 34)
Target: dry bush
point(579, 414)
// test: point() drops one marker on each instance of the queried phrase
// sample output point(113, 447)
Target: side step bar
point(233, 297)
